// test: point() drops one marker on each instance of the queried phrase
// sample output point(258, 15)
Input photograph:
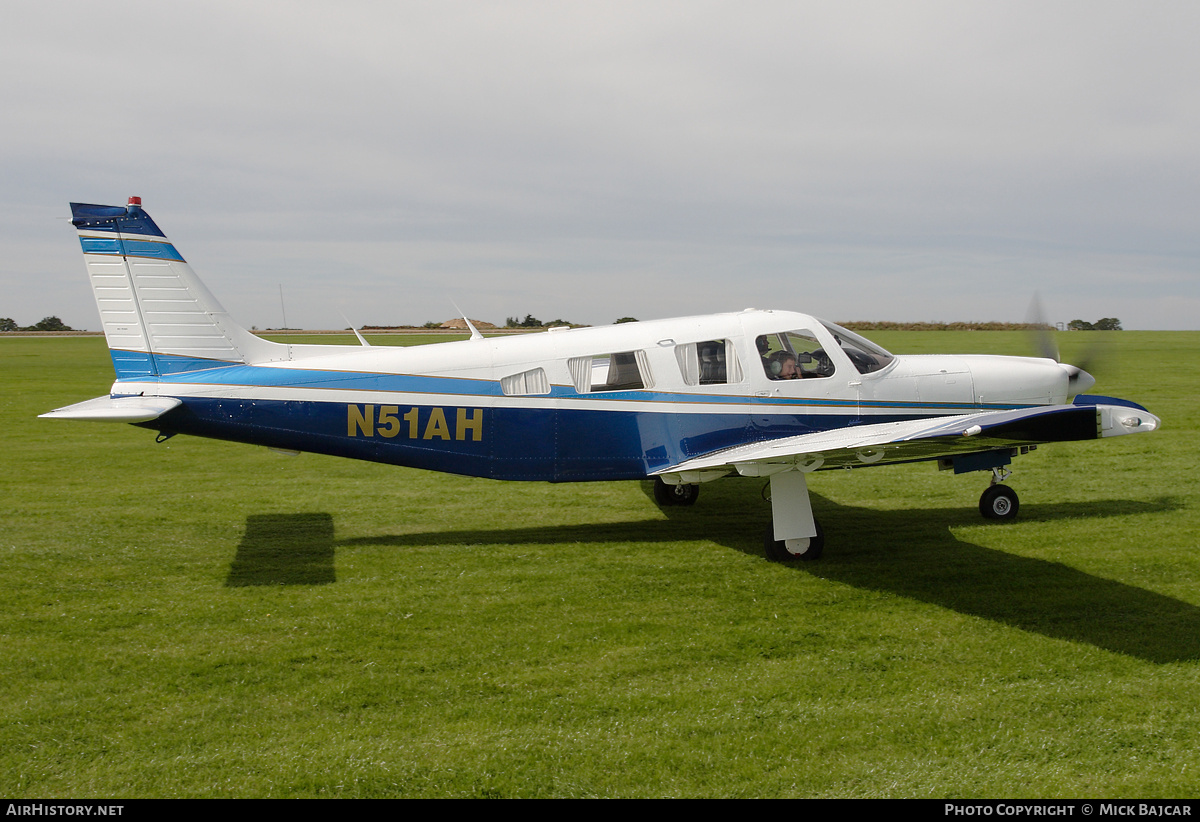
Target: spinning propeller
point(1047, 346)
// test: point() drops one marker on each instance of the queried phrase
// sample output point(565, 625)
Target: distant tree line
point(47, 324)
point(531, 321)
point(1103, 324)
point(926, 326)
point(1106, 324)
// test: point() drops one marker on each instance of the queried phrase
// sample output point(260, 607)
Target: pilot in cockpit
point(782, 366)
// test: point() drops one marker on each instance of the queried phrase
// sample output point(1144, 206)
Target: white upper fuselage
point(910, 385)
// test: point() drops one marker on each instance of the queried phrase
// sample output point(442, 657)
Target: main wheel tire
point(999, 502)
point(681, 494)
point(777, 550)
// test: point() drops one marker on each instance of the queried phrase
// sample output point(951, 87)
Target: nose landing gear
point(999, 502)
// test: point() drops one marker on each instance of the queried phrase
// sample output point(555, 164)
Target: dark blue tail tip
point(126, 219)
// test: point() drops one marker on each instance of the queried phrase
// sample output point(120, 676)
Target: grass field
point(197, 618)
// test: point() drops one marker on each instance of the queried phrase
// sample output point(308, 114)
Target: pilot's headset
point(776, 364)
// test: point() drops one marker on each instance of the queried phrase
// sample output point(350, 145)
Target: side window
point(794, 355)
point(712, 362)
point(622, 371)
point(527, 382)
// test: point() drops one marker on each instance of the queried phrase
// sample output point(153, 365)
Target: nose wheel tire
point(999, 502)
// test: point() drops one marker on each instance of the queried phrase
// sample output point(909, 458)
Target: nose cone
point(1079, 380)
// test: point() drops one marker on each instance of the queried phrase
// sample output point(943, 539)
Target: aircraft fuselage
point(538, 407)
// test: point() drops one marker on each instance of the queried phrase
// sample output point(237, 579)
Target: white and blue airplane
point(758, 393)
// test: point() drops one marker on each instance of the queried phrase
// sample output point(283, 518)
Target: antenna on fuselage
point(355, 330)
point(283, 311)
point(475, 335)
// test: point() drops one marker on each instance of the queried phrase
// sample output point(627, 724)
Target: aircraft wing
point(115, 409)
point(923, 439)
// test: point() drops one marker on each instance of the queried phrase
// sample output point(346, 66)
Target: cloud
point(589, 161)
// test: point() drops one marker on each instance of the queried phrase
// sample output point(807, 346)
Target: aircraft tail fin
point(158, 317)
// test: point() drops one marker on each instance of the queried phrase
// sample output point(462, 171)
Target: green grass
point(197, 618)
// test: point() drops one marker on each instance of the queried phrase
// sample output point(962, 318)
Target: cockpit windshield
point(866, 356)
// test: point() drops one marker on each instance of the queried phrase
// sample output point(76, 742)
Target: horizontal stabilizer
point(115, 409)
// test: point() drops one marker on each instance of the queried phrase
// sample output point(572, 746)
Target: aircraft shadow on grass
point(911, 553)
point(284, 549)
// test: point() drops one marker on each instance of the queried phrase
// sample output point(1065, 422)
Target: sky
point(916, 161)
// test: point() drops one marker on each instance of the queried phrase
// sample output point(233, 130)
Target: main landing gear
point(999, 502)
point(787, 550)
point(793, 533)
point(681, 494)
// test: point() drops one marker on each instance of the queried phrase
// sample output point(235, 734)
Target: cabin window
point(623, 371)
point(794, 355)
point(712, 362)
point(527, 382)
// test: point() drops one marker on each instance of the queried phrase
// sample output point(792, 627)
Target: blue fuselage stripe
point(548, 444)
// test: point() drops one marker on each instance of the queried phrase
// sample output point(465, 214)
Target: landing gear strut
point(794, 533)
